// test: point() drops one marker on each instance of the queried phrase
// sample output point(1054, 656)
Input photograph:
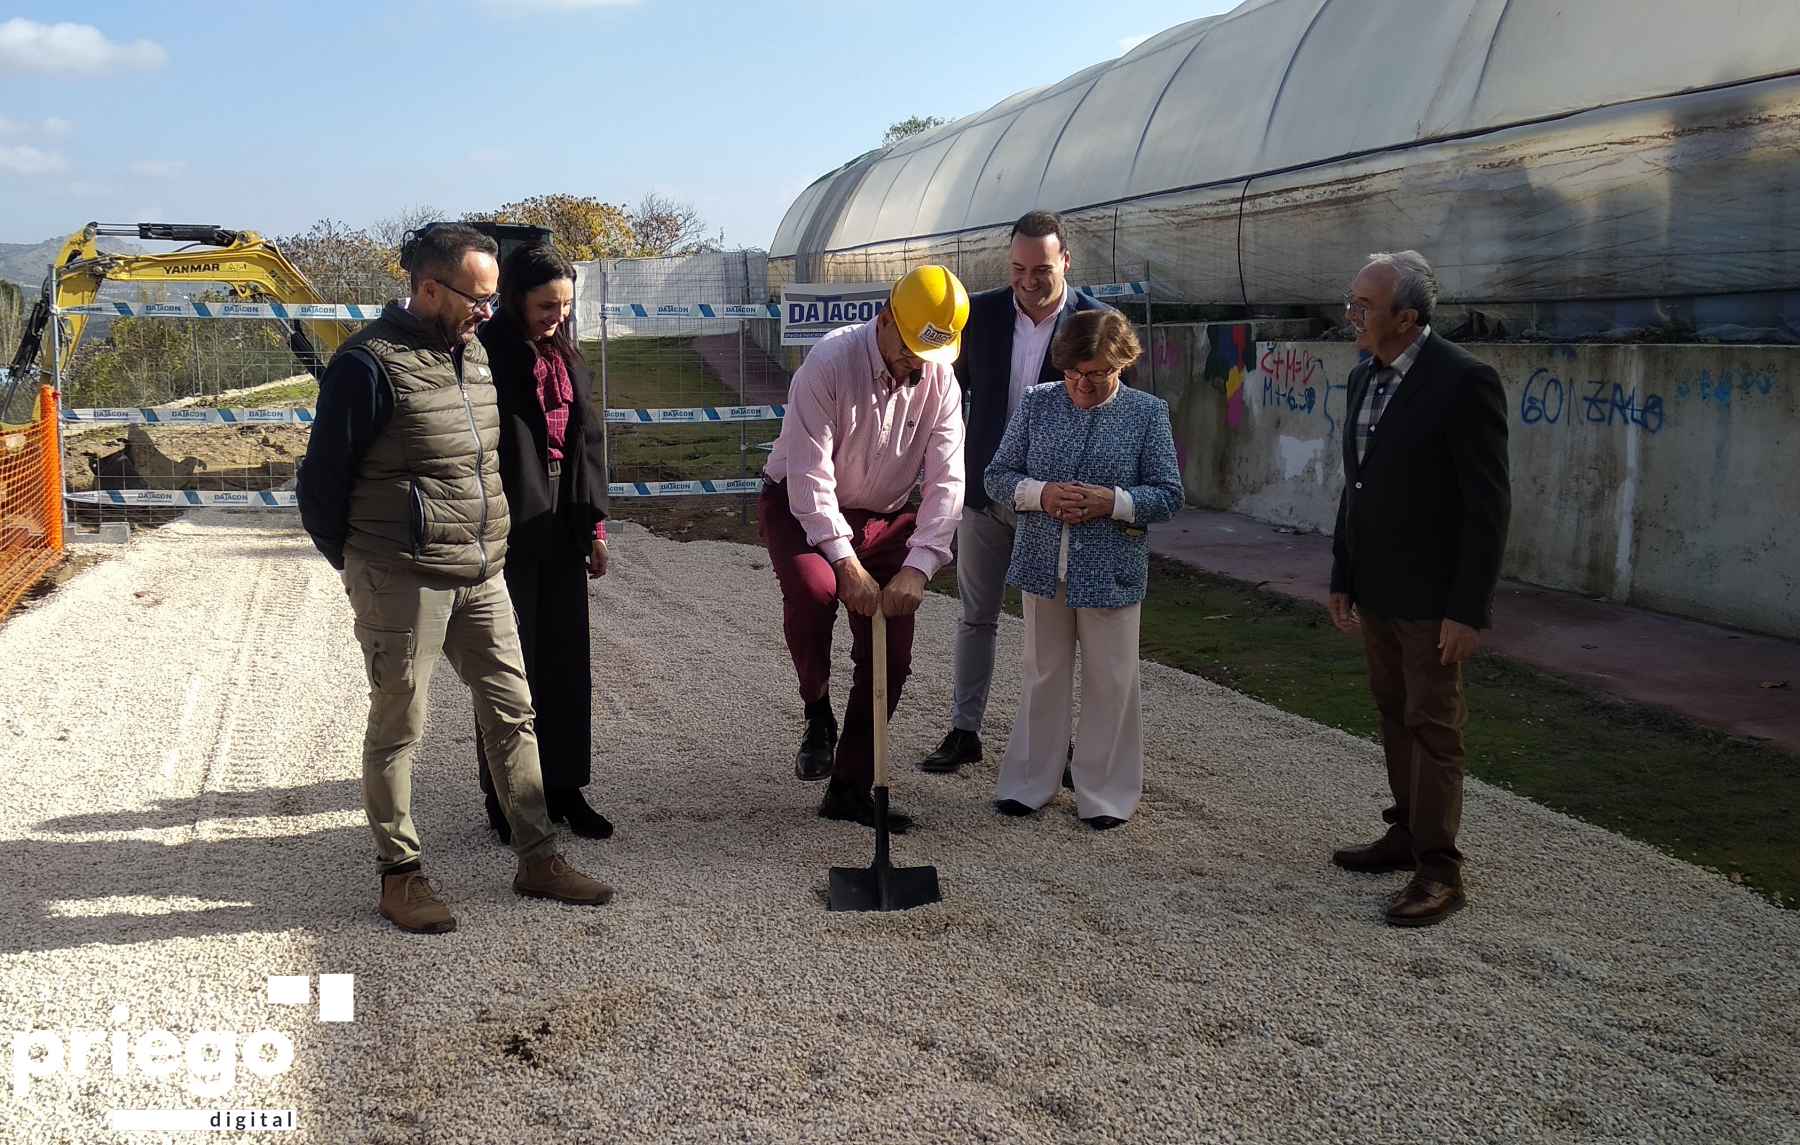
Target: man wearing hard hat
point(871, 408)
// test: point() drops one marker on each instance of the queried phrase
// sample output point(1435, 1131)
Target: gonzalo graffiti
point(1548, 400)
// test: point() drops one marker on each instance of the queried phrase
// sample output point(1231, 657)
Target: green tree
point(12, 319)
point(142, 361)
point(12, 328)
point(910, 126)
point(584, 227)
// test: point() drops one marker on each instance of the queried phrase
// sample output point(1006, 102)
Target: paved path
point(1712, 675)
point(764, 381)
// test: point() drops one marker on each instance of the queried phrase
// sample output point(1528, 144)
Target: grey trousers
point(405, 627)
point(984, 546)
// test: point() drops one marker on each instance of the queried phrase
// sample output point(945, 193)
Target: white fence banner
point(811, 310)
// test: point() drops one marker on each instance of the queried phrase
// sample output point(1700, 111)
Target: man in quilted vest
point(400, 489)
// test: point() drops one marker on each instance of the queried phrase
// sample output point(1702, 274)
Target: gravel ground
point(180, 732)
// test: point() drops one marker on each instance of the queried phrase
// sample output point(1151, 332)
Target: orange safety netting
point(31, 517)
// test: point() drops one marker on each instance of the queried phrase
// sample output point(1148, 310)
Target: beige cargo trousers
point(405, 625)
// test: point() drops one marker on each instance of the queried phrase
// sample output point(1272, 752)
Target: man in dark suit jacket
point(1421, 529)
point(1004, 352)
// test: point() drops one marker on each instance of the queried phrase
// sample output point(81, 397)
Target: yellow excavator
point(251, 266)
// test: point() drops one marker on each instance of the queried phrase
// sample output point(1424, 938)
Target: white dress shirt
point(1031, 341)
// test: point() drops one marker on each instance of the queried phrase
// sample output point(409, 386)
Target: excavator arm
point(252, 267)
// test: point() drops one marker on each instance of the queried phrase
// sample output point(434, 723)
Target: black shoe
point(1013, 807)
point(497, 817)
point(813, 761)
point(1103, 822)
point(958, 748)
point(566, 805)
point(851, 805)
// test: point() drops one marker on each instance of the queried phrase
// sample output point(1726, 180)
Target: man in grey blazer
point(1004, 353)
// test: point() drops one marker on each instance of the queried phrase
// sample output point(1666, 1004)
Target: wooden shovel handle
point(878, 650)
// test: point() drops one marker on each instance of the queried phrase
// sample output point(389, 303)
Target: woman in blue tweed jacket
point(1088, 464)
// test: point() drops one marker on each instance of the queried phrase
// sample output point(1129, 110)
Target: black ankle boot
point(566, 805)
point(814, 760)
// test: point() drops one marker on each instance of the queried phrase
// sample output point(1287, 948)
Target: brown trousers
point(1422, 717)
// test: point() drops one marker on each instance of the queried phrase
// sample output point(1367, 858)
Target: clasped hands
point(863, 596)
point(1074, 503)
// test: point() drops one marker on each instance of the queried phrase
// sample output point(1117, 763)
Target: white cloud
point(1130, 42)
point(54, 125)
point(24, 160)
point(80, 48)
point(83, 189)
point(158, 168)
point(487, 155)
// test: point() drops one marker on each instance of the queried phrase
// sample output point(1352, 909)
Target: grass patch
point(305, 394)
point(1695, 793)
point(648, 373)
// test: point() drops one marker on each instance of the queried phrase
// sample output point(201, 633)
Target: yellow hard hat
point(930, 308)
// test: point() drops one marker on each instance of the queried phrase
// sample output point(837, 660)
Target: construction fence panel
point(173, 405)
point(176, 405)
point(681, 349)
point(31, 518)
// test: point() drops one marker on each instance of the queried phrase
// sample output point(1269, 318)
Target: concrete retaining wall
point(1656, 475)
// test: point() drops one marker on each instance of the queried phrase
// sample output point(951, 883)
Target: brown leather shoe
point(1425, 902)
point(1385, 854)
point(554, 878)
point(408, 902)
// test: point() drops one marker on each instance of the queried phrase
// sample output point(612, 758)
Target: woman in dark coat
point(553, 466)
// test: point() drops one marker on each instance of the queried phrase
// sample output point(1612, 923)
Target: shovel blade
point(883, 887)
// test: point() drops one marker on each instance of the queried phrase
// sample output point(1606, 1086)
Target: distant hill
point(25, 263)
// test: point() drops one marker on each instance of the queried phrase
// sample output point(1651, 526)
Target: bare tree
point(391, 231)
point(910, 126)
point(669, 226)
point(345, 264)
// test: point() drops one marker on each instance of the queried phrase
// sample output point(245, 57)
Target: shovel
point(882, 886)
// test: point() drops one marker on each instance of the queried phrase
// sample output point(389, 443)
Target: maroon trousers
point(809, 608)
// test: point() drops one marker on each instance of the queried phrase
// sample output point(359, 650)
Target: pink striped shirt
point(853, 439)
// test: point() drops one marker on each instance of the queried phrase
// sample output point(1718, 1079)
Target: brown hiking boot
point(554, 878)
point(408, 901)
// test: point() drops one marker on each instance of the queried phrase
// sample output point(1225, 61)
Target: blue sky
point(269, 116)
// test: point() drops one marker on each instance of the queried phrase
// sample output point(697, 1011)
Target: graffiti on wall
point(1548, 400)
point(1717, 392)
point(1230, 356)
point(1293, 378)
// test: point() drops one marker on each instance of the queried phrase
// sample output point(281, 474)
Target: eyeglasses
point(1092, 377)
point(1353, 308)
point(487, 303)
